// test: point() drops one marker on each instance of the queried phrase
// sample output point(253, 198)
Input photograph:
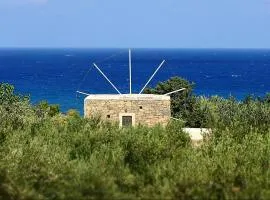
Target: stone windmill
point(129, 109)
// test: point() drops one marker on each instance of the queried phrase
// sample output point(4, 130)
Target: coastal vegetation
point(46, 154)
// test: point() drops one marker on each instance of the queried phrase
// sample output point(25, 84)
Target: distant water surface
point(56, 74)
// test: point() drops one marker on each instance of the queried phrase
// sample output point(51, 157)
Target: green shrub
point(8, 96)
point(184, 105)
point(43, 108)
point(57, 156)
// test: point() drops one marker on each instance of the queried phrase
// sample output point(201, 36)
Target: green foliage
point(184, 105)
point(7, 95)
point(44, 108)
point(57, 156)
point(181, 100)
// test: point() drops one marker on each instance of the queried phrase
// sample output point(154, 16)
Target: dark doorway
point(126, 121)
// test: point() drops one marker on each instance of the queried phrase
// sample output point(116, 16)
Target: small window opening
point(140, 107)
point(108, 116)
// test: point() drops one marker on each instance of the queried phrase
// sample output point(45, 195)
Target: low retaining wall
point(197, 134)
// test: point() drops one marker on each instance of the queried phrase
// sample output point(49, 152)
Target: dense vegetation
point(48, 155)
point(205, 112)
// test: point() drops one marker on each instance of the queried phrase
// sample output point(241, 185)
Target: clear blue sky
point(135, 23)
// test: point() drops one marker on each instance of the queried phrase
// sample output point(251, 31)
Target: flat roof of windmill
point(138, 97)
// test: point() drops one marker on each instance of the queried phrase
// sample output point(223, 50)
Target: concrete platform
point(197, 134)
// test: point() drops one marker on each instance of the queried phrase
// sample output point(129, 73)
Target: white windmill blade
point(106, 78)
point(161, 64)
point(167, 94)
point(84, 93)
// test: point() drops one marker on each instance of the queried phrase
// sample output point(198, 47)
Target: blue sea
point(56, 74)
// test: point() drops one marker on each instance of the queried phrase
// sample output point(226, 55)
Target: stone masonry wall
point(147, 112)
